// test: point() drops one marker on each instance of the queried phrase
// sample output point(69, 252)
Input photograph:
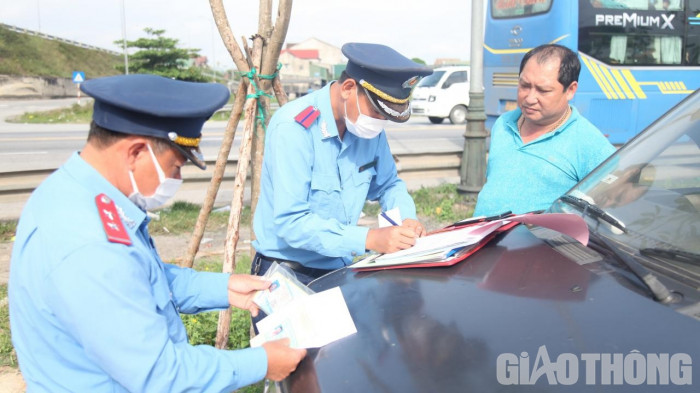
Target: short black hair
point(103, 138)
point(343, 77)
point(569, 67)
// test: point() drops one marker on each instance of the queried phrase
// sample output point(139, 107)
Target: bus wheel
point(436, 120)
point(458, 114)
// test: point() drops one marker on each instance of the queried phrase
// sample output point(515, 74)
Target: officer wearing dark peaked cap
point(155, 106)
point(325, 154)
point(388, 78)
point(88, 290)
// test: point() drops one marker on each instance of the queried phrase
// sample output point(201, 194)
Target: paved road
point(44, 146)
point(41, 146)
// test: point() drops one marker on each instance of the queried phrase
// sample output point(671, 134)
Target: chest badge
point(324, 130)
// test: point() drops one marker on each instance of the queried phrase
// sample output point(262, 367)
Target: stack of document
point(307, 319)
point(308, 322)
point(450, 246)
point(438, 247)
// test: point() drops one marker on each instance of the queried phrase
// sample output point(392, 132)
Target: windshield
point(431, 80)
point(652, 185)
point(518, 8)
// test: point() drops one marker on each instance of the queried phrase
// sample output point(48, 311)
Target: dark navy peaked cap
point(151, 105)
point(387, 76)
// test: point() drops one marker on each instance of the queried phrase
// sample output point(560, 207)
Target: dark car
point(534, 310)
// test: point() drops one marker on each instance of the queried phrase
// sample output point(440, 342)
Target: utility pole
point(38, 14)
point(472, 171)
point(126, 56)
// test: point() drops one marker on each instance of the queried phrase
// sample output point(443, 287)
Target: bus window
point(634, 49)
point(518, 8)
point(659, 5)
point(667, 5)
point(692, 43)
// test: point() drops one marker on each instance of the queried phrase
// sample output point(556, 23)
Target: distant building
point(440, 62)
point(200, 61)
point(309, 65)
point(297, 62)
point(327, 53)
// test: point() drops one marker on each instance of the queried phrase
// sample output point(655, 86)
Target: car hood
point(446, 329)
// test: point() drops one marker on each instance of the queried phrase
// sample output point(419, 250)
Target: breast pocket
point(166, 308)
point(325, 199)
point(362, 180)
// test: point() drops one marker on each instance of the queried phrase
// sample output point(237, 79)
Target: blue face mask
point(165, 190)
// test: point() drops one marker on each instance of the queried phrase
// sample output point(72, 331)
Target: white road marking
point(23, 153)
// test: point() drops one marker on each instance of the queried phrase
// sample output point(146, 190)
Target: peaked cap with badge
point(387, 77)
point(155, 106)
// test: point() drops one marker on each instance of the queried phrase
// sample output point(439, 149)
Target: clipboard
point(568, 224)
point(458, 255)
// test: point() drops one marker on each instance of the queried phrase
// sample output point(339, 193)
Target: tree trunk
point(217, 176)
point(234, 220)
point(273, 41)
point(264, 58)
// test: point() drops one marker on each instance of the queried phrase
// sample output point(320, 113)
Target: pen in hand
point(389, 220)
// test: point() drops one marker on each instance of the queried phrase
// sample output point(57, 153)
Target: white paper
point(283, 290)
point(444, 241)
point(309, 322)
point(395, 216)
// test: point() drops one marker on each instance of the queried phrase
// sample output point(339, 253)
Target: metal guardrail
point(54, 38)
point(417, 166)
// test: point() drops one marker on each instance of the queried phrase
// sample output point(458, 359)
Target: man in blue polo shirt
point(93, 308)
point(543, 148)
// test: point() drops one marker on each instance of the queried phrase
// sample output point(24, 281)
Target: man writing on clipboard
point(325, 155)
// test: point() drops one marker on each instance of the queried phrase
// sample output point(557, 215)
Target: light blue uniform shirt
point(88, 315)
point(527, 177)
point(314, 186)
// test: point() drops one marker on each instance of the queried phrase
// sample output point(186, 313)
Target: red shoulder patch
point(114, 228)
point(307, 116)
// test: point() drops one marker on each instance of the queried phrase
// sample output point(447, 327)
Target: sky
point(426, 29)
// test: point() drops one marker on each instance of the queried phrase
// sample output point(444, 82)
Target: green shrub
point(442, 203)
point(8, 230)
point(7, 351)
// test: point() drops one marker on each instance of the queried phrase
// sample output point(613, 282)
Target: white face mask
point(366, 127)
point(165, 190)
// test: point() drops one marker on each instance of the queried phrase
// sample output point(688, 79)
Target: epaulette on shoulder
point(307, 116)
point(114, 228)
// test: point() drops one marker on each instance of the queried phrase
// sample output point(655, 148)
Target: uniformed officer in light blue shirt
point(326, 154)
point(93, 308)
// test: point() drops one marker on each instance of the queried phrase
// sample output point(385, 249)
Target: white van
point(444, 93)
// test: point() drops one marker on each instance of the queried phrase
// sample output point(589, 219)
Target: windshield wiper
point(657, 288)
point(670, 253)
point(592, 210)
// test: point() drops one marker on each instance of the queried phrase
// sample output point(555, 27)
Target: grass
point(83, 114)
point(438, 206)
point(201, 328)
point(7, 230)
point(28, 55)
point(7, 351)
point(74, 114)
point(180, 217)
point(442, 203)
